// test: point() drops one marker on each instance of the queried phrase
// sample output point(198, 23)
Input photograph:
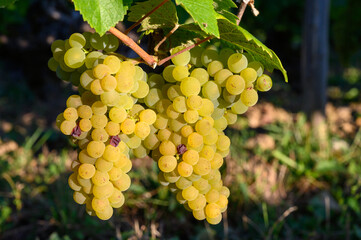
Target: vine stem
point(145, 16)
point(166, 37)
point(136, 48)
point(164, 60)
point(241, 10)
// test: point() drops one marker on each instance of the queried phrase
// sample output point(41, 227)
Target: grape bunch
point(177, 117)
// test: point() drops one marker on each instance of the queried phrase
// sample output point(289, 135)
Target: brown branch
point(241, 10)
point(145, 16)
point(166, 37)
point(136, 48)
point(164, 60)
point(279, 220)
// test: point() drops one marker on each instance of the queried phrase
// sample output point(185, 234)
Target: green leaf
point(223, 8)
point(165, 16)
point(5, 3)
point(203, 14)
point(241, 38)
point(102, 14)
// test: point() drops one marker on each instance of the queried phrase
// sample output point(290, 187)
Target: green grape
point(221, 77)
point(111, 98)
point(75, 78)
point(194, 102)
point(203, 167)
point(80, 197)
point(171, 177)
point(183, 183)
point(101, 70)
point(127, 126)
point(203, 127)
point(215, 220)
point(140, 75)
point(201, 184)
point(58, 49)
point(201, 74)
point(237, 62)
point(214, 67)
point(199, 214)
point(195, 140)
point(161, 122)
point(155, 81)
point(142, 129)
point(211, 90)
point(113, 43)
point(100, 178)
point(213, 210)
point(223, 143)
point(207, 107)
point(249, 97)
point(77, 40)
point(153, 97)
point(86, 78)
point(220, 124)
point(180, 198)
point(185, 169)
point(224, 191)
point(162, 105)
point(167, 148)
point(179, 104)
point(73, 182)
point(103, 165)
point(85, 158)
point(123, 183)
point(173, 92)
point(99, 134)
point(164, 134)
point(91, 57)
point(140, 152)
point(98, 108)
point(212, 196)
point(74, 57)
point(142, 91)
point(151, 142)
point(235, 84)
point(190, 86)
point(180, 72)
point(74, 101)
point(257, 66)
point(186, 130)
point(249, 75)
point(62, 75)
point(168, 73)
point(177, 124)
point(96, 87)
point(208, 56)
point(218, 113)
point(66, 127)
point(99, 121)
point(224, 54)
point(196, 53)
point(191, 116)
point(95, 149)
point(231, 118)
point(124, 101)
point(239, 107)
point(264, 83)
point(181, 59)
point(112, 128)
point(190, 193)
point(108, 83)
point(86, 170)
point(53, 64)
point(198, 204)
point(167, 163)
point(99, 42)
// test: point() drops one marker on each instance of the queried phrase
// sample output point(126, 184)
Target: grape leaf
point(223, 8)
point(241, 38)
point(165, 16)
point(102, 14)
point(5, 3)
point(238, 37)
point(203, 14)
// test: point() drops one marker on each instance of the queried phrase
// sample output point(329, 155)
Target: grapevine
point(177, 117)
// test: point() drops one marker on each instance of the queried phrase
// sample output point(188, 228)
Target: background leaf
point(165, 16)
point(5, 3)
point(102, 14)
point(203, 14)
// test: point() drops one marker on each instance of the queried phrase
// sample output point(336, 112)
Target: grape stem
point(164, 60)
point(156, 48)
point(145, 16)
point(241, 10)
point(150, 60)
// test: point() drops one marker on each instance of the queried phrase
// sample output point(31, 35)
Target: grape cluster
point(103, 120)
point(177, 117)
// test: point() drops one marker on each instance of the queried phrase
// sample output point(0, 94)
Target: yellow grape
point(99, 121)
point(190, 86)
point(237, 62)
point(113, 63)
point(198, 204)
point(249, 97)
point(70, 114)
point(201, 74)
point(142, 129)
point(127, 126)
point(249, 75)
point(80, 197)
point(73, 182)
point(103, 165)
point(101, 70)
point(95, 149)
point(106, 214)
point(186, 130)
point(207, 107)
point(99, 134)
point(100, 178)
point(117, 197)
point(199, 214)
point(190, 193)
point(99, 108)
point(104, 191)
point(191, 157)
point(213, 210)
point(180, 72)
point(112, 128)
point(235, 84)
point(195, 140)
point(203, 127)
point(183, 183)
point(111, 153)
point(123, 183)
point(86, 170)
point(213, 67)
point(108, 83)
point(167, 163)
point(66, 127)
point(148, 116)
point(164, 134)
point(117, 114)
point(203, 167)
point(185, 169)
point(215, 220)
point(194, 102)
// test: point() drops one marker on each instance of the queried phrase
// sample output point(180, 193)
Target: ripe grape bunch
point(177, 117)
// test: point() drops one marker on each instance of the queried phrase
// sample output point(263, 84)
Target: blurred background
point(295, 164)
